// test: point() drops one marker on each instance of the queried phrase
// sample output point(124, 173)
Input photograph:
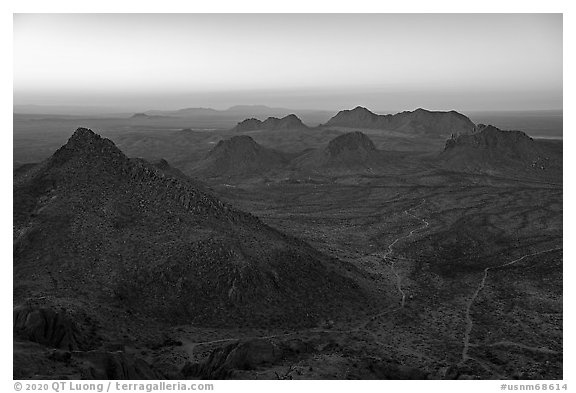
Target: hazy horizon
point(136, 62)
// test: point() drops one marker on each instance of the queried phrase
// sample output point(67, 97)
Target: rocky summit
point(239, 156)
point(91, 224)
point(492, 148)
point(418, 122)
point(354, 142)
point(350, 151)
point(272, 123)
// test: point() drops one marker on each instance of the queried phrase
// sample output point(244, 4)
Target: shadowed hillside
point(89, 222)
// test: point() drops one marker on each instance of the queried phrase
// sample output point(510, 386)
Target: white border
point(246, 6)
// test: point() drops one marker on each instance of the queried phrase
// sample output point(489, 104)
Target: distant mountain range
point(240, 112)
point(420, 122)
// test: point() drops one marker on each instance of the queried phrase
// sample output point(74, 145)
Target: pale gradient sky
point(317, 61)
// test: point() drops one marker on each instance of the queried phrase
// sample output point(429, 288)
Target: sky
point(300, 61)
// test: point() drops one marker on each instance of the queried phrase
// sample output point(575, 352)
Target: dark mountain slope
point(420, 121)
point(89, 223)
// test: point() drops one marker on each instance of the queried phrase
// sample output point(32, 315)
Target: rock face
point(47, 327)
point(490, 147)
point(419, 122)
point(90, 223)
point(350, 151)
point(272, 123)
point(240, 156)
point(242, 355)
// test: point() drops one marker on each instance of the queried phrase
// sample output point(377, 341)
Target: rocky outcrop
point(488, 137)
point(492, 148)
point(47, 327)
point(242, 355)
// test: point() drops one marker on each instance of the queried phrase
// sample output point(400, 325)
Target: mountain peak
point(360, 109)
point(239, 156)
point(84, 139)
point(84, 134)
point(88, 146)
point(489, 145)
point(238, 146)
point(352, 151)
point(237, 141)
point(351, 141)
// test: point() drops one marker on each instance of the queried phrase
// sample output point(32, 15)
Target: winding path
point(390, 250)
point(189, 346)
point(470, 322)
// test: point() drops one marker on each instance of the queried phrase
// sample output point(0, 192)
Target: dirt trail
point(469, 322)
point(390, 250)
point(190, 346)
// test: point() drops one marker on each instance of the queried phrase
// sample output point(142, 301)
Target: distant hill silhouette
point(419, 121)
point(239, 156)
point(91, 223)
point(272, 123)
point(144, 116)
point(237, 113)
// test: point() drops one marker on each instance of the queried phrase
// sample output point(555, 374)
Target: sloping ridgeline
point(91, 223)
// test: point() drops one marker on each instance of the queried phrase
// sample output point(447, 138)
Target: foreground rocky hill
point(90, 223)
point(418, 122)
